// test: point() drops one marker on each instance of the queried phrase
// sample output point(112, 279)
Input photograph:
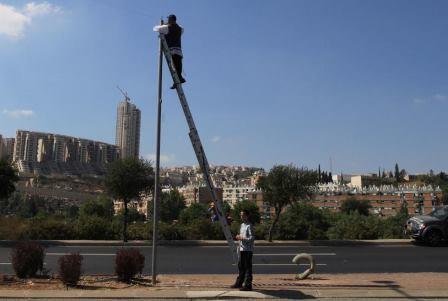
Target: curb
point(204, 243)
point(214, 294)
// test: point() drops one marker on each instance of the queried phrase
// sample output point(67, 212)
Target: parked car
point(431, 228)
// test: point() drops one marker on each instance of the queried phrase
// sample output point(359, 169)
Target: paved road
point(267, 259)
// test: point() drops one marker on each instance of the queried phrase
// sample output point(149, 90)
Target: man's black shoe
point(236, 286)
point(246, 288)
point(182, 80)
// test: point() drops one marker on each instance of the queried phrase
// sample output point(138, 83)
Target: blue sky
point(268, 82)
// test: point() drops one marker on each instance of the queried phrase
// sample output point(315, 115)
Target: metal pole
point(156, 201)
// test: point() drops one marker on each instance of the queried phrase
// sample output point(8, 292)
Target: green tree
point(285, 185)
point(127, 179)
point(354, 205)
point(8, 177)
point(397, 173)
point(403, 174)
point(133, 215)
point(101, 207)
point(303, 221)
point(193, 212)
point(254, 211)
point(171, 205)
point(226, 208)
point(28, 208)
point(72, 212)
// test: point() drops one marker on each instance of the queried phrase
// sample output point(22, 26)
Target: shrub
point(12, 227)
point(261, 230)
point(94, 227)
point(70, 268)
point(303, 221)
point(49, 229)
point(27, 258)
point(203, 228)
point(356, 226)
point(140, 231)
point(393, 226)
point(354, 205)
point(172, 231)
point(128, 262)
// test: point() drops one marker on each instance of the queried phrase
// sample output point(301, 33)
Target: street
point(267, 259)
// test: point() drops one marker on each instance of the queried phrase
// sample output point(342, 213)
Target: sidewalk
point(417, 285)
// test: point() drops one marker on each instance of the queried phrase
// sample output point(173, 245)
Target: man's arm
point(163, 29)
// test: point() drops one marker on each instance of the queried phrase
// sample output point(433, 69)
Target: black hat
point(172, 17)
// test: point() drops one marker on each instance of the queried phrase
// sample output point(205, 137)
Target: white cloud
point(164, 159)
point(418, 101)
point(431, 99)
point(216, 139)
point(32, 9)
point(440, 97)
point(13, 21)
point(18, 113)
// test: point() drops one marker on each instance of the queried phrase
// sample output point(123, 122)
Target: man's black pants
point(245, 269)
point(177, 61)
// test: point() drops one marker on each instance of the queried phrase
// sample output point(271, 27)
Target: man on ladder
point(173, 33)
point(167, 50)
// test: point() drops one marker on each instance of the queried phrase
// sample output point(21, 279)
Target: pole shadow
point(286, 294)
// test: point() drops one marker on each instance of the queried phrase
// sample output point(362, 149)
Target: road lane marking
point(10, 263)
point(314, 254)
point(82, 254)
point(285, 264)
point(261, 254)
point(193, 246)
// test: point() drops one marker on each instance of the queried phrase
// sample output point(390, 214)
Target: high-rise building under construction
point(128, 129)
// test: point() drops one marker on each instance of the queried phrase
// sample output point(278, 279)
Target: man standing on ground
point(173, 33)
point(246, 247)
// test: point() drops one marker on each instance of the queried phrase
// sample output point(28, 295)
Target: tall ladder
point(199, 150)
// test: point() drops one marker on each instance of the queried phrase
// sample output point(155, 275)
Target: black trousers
point(245, 269)
point(177, 61)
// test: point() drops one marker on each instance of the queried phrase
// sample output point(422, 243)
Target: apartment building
point(385, 201)
point(202, 195)
point(235, 194)
point(37, 152)
point(6, 147)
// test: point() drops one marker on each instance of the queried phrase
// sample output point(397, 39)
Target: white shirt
point(247, 237)
point(164, 29)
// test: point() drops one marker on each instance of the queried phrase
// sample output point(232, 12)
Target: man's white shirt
point(247, 237)
point(164, 29)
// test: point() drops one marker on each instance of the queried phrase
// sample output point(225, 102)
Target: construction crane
point(125, 94)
